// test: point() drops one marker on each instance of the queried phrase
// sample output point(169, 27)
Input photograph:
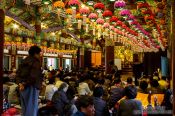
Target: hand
point(21, 87)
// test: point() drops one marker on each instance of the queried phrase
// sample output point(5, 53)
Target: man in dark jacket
point(99, 103)
point(29, 79)
point(85, 106)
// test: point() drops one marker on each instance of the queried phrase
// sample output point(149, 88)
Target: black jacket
point(30, 73)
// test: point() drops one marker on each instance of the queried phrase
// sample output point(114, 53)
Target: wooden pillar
point(109, 54)
point(173, 50)
point(2, 17)
point(81, 63)
point(38, 29)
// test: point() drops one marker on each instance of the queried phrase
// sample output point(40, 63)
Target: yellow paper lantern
point(58, 4)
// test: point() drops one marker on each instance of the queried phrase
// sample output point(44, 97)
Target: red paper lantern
point(143, 6)
point(99, 7)
point(107, 14)
point(113, 19)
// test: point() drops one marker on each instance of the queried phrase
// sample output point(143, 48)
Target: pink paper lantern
point(84, 11)
point(93, 16)
point(106, 25)
point(119, 4)
point(100, 21)
point(125, 12)
point(74, 3)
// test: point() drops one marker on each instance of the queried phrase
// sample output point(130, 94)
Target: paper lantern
point(113, 19)
point(84, 11)
point(125, 13)
point(46, 2)
point(93, 17)
point(90, 2)
point(143, 6)
point(99, 7)
point(147, 12)
point(79, 18)
point(74, 4)
point(100, 21)
point(69, 11)
point(119, 4)
point(106, 25)
point(58, 4)
point(107, 14)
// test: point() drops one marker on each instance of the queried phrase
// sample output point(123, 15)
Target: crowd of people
point(88, 92)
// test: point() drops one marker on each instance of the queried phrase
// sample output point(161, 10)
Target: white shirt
point(83, 89)
point(50, 90)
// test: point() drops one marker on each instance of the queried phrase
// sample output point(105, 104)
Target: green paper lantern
point(46, 2)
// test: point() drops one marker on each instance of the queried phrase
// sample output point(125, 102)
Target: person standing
point(29, 79)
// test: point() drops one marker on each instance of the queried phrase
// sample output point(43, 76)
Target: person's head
point(143, 85)
point(48, 111)
point(117, 81)
point(130, 92)
point(51, 80)
point(164, 78)
point(154, 83)
point(111, 63)
point(85, 104)
point(129, 80)
point(71, 92)
point(35, 51)
point(63, 87)
point(98, 92)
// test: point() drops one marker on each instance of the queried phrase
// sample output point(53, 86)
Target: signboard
point(51, 55)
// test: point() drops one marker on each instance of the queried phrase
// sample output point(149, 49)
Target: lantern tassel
point(84, 19)
point(87, 28)
point(79, 24)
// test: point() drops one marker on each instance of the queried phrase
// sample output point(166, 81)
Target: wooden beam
point(18, 16)
point(22, 22)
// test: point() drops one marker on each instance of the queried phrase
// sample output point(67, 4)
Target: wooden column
point(2, 17)
point(109, 54)
point(78, 58)
point(81, 64)
point(38, 28)
point(173, 51)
